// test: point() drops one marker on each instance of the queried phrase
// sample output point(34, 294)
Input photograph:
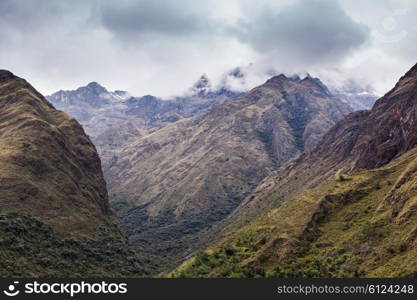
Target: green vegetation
point(55, 217)
point(160, 239)
point(353, 227)
point(29, 248)
point(226, 261)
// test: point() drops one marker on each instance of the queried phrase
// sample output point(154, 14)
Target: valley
point(143, 142)
point(284, 180)
point(172, 186)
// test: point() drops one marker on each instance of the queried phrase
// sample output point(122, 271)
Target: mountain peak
point(316, 82)
point(403, 92)
point(412, 72)
point(393, 115)
point(310, 78)
point(236, 73)
point(278, 78)
point(96, 86)
point(308, 81)
point(6, 75)
point(408, 78)
point(202, 85)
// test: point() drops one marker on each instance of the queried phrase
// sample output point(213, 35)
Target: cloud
point(162, 47)
point(131, 20)
point(304, 34)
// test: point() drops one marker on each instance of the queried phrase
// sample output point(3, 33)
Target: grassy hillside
point(30, 248)
point(361, 224)
point(55, 217)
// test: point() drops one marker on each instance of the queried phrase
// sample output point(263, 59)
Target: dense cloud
point(132, 20)
point(305, 33)
point(161, 47)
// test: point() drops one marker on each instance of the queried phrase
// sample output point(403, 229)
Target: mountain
point(98, 109)
point(172, 187)
point(93, 106)
point(202, 86)
point(111, 119)
point(345, 209)
point(356, 96)
point(55, 217)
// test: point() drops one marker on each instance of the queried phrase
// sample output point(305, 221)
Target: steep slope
point(55, 218)
point(385, 132)
point(346, 227)
point(170, 188)
point(113, 138)
point(347, 208)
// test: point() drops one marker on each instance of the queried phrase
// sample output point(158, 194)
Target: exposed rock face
point(377, 136)
point(51, 178)
point(350, 201)
point(170, 187)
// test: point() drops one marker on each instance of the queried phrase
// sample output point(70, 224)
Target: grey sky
point(161, 47)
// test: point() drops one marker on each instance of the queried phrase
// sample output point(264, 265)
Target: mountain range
point(176, 169)
point(99, 109)
point(169, 187)
point(287, 179)
point(345, 209)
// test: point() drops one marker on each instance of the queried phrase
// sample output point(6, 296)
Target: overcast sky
point(161, 47)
